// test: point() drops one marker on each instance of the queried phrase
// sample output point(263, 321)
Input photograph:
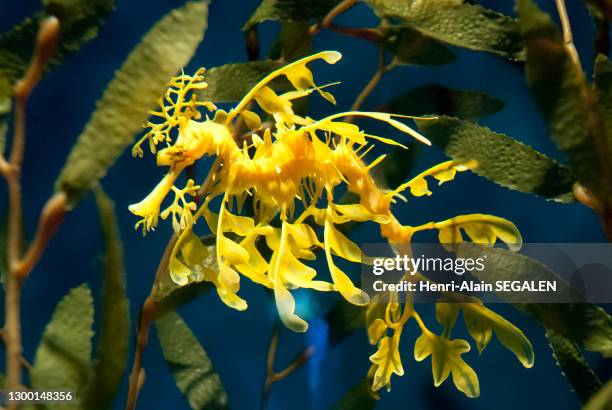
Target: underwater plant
point(283, 191)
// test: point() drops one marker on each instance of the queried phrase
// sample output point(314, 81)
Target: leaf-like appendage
point(481, 229)
point(126, 102)
point(446, 359)
point(387, 362)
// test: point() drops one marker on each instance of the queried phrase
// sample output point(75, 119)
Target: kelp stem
point(332, 14)
point(12, 321)
point(46, 44)
point(586, 198)
point(272, 376)
point(603, 205)
point(568, 38)
point(148, 311)
point(364, 33)
point(378, 75)
point(147, 316)
point(51, 219)
point(336, 11)
point(136, 380)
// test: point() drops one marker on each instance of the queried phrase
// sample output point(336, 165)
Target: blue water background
point(237, 342)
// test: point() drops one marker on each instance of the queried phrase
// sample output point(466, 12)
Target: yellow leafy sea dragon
point(291, 170)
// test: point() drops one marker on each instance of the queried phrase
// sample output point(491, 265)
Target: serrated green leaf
point(600, 8)
point(80, 21)
point(231, 82)
point(601, 13)
point(501, 159)
point(3, 131)
point(126, 102)
point(436, 99)
point(453, 22)
point(289, 10)
point(585, 324)
point(359, 397)
point(603, 87)
point(5, 108)
point(503, 264)
point(16, 48)
point(64, 353)
point(84, 16)
point(342, 320)
point(565, 99)
point(112, 354)
point(170, 296)
point(574, 366)
point(3, 245)
point(190, 366)
point(411, 47)
point(293, 41)
point(602, 400)
point(397, 166)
